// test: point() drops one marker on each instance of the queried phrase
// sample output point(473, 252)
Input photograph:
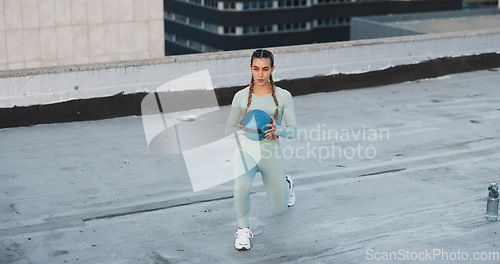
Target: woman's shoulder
point(283, 93)
point(241, 93)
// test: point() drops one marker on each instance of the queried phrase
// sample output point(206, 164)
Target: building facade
point(193, 26)
point(40, 33)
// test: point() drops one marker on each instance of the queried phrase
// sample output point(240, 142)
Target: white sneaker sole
point(291, 202)
point(242, 247)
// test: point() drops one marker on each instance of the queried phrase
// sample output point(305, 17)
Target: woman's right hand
point(239, 126)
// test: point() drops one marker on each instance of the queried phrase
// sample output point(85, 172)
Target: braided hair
point(261, 53)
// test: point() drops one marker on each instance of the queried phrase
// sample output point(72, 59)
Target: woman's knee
point(242, 187)
point(279, 209)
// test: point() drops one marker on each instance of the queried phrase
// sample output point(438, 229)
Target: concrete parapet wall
point(25, 94)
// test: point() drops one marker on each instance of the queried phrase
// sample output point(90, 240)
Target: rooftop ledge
point(105, 90)
point(242, 53)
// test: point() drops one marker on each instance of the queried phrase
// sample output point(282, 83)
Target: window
point(211, 27)
point(180, 18)
point(192, 22)
point(195, 22)
point(170, 37)
point(229, 30)
point(169, 15)
point(342, 1)
point(293, 3)
point(211, 3)
point(207, 48)
point(195, 45)
point(297, 26)
point(257, 5)
point(249, 5)
point(257, 29)
point(265, 4)
point(250, 30)
point(181, 40)
point(229, 5)
point(266, 28)
point(333, 21)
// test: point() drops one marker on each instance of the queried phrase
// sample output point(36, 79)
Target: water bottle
point(492, 204)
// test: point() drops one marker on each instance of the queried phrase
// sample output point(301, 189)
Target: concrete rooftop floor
point(92, 192)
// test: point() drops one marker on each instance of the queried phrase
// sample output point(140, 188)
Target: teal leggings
point(264, 157)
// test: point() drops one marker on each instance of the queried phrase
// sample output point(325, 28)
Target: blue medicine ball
point(254, 124)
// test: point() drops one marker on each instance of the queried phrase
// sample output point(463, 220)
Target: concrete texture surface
point(45, 33)
point(92, 192)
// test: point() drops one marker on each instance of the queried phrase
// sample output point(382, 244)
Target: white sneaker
point(243, 238)
point(291, 202)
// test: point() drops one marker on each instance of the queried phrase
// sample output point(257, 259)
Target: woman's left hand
point(270, 132)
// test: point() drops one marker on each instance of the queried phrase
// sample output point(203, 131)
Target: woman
point(261, 156)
